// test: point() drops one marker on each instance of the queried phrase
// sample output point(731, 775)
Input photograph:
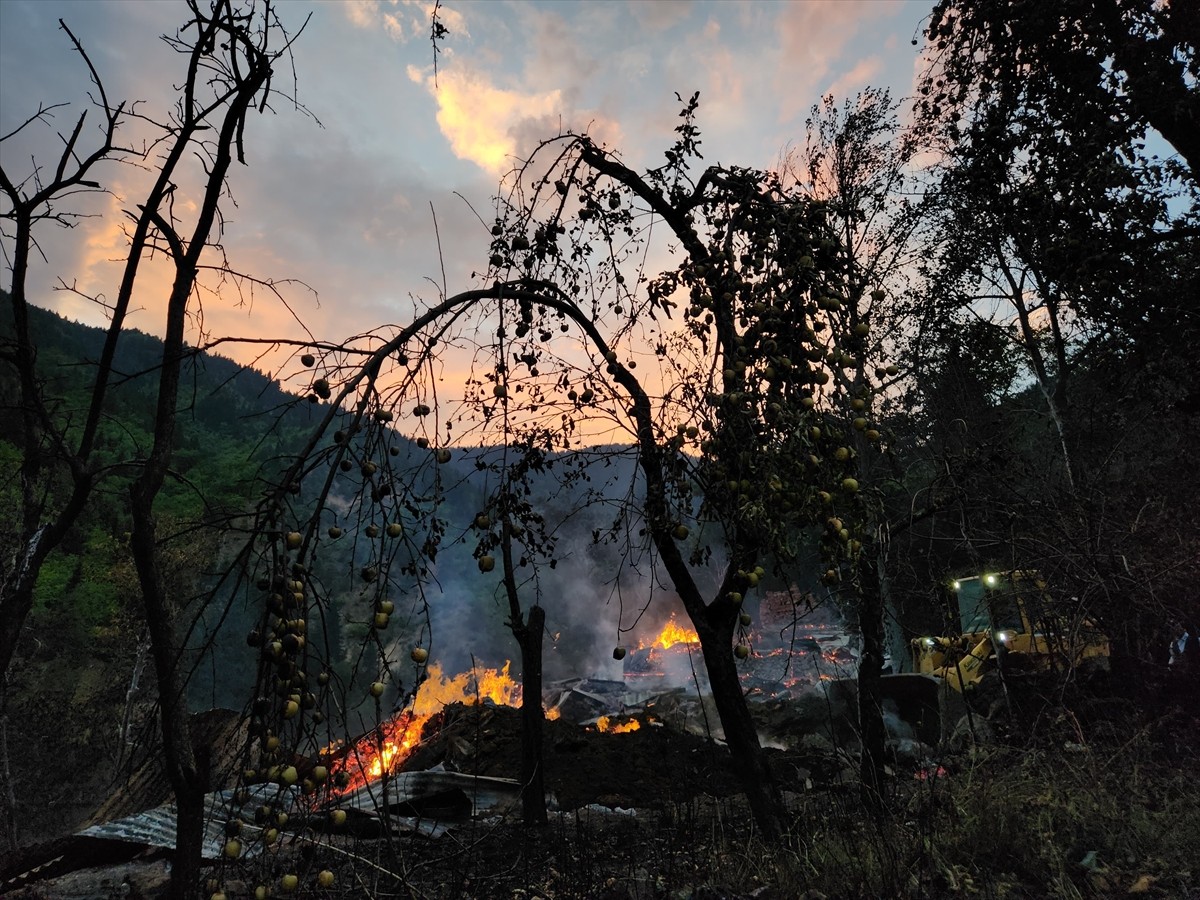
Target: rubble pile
point(648, 741)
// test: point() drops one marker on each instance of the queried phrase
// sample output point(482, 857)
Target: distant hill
point(237, 424)
point(228, 420)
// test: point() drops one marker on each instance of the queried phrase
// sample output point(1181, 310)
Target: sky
point(344, 199)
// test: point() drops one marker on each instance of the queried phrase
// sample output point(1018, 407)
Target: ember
point(606, 724)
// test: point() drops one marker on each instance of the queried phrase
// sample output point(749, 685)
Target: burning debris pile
point(663, 684)
point(640, 740)
point(366, 760)
point(643, 764)
point(785, 658)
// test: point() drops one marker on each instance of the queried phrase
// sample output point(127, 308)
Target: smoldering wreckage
point(444, 763)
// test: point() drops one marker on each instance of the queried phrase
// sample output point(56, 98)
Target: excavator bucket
point(922, 702)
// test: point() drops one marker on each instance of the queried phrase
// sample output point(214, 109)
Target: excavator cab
point(992, 616)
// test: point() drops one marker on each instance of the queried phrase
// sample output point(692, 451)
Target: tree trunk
point(179, 756)
point(1053, 393)
point(533, 777)
point(189, 841)
point(870, 695)
point(528, 632)
point(741, 734)
point(8, 799)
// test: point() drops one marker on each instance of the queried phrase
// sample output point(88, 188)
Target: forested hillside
point(237, 422)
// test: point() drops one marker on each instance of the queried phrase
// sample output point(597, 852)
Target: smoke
point(597, 586)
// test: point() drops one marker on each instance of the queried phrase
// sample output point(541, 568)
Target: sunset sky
point(344, 205)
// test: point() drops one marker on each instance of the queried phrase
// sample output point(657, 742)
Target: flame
point(374, 754)
point(391, 743)
point(605, 724)
point(438, 690)
point(553, 714)
point(672, 633)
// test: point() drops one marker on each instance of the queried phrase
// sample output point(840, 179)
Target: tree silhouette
point(717, 370)
point(229, 53)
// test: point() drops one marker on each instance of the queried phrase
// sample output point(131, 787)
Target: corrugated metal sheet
point(453, 796)
point(444, 798)
point(484, 795)
point(156, 827)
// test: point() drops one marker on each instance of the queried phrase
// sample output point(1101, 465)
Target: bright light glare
point(990, 580)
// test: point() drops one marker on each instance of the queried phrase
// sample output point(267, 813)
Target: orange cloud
point(220, 308)
point(482, 121)
point(96, 266)
point(857, 78)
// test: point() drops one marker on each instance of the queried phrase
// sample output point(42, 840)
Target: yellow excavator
point(1009, 623)
point(1007, 620)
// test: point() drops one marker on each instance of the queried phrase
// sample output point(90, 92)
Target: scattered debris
point(156, 827)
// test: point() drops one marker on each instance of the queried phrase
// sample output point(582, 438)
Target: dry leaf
point(1142, 885)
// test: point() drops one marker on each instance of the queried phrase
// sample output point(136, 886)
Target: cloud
point(480, 120)
point(726, 75)
point(399, 24)
point(813, 37)
point(857, 78)
point(662, 15)
point(495, 126)
point(403, 21)
point(346, 206)
point(362, 13)
point(452, 19)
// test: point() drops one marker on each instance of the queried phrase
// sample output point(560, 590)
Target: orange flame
point(438, 690)
point(672, 633)
point(383, 750)
point(605, 724)
point(374, 754)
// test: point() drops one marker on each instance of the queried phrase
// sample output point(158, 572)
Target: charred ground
point(1094, 797)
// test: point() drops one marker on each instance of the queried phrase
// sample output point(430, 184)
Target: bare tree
point(229, 53)
point(31, 202)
